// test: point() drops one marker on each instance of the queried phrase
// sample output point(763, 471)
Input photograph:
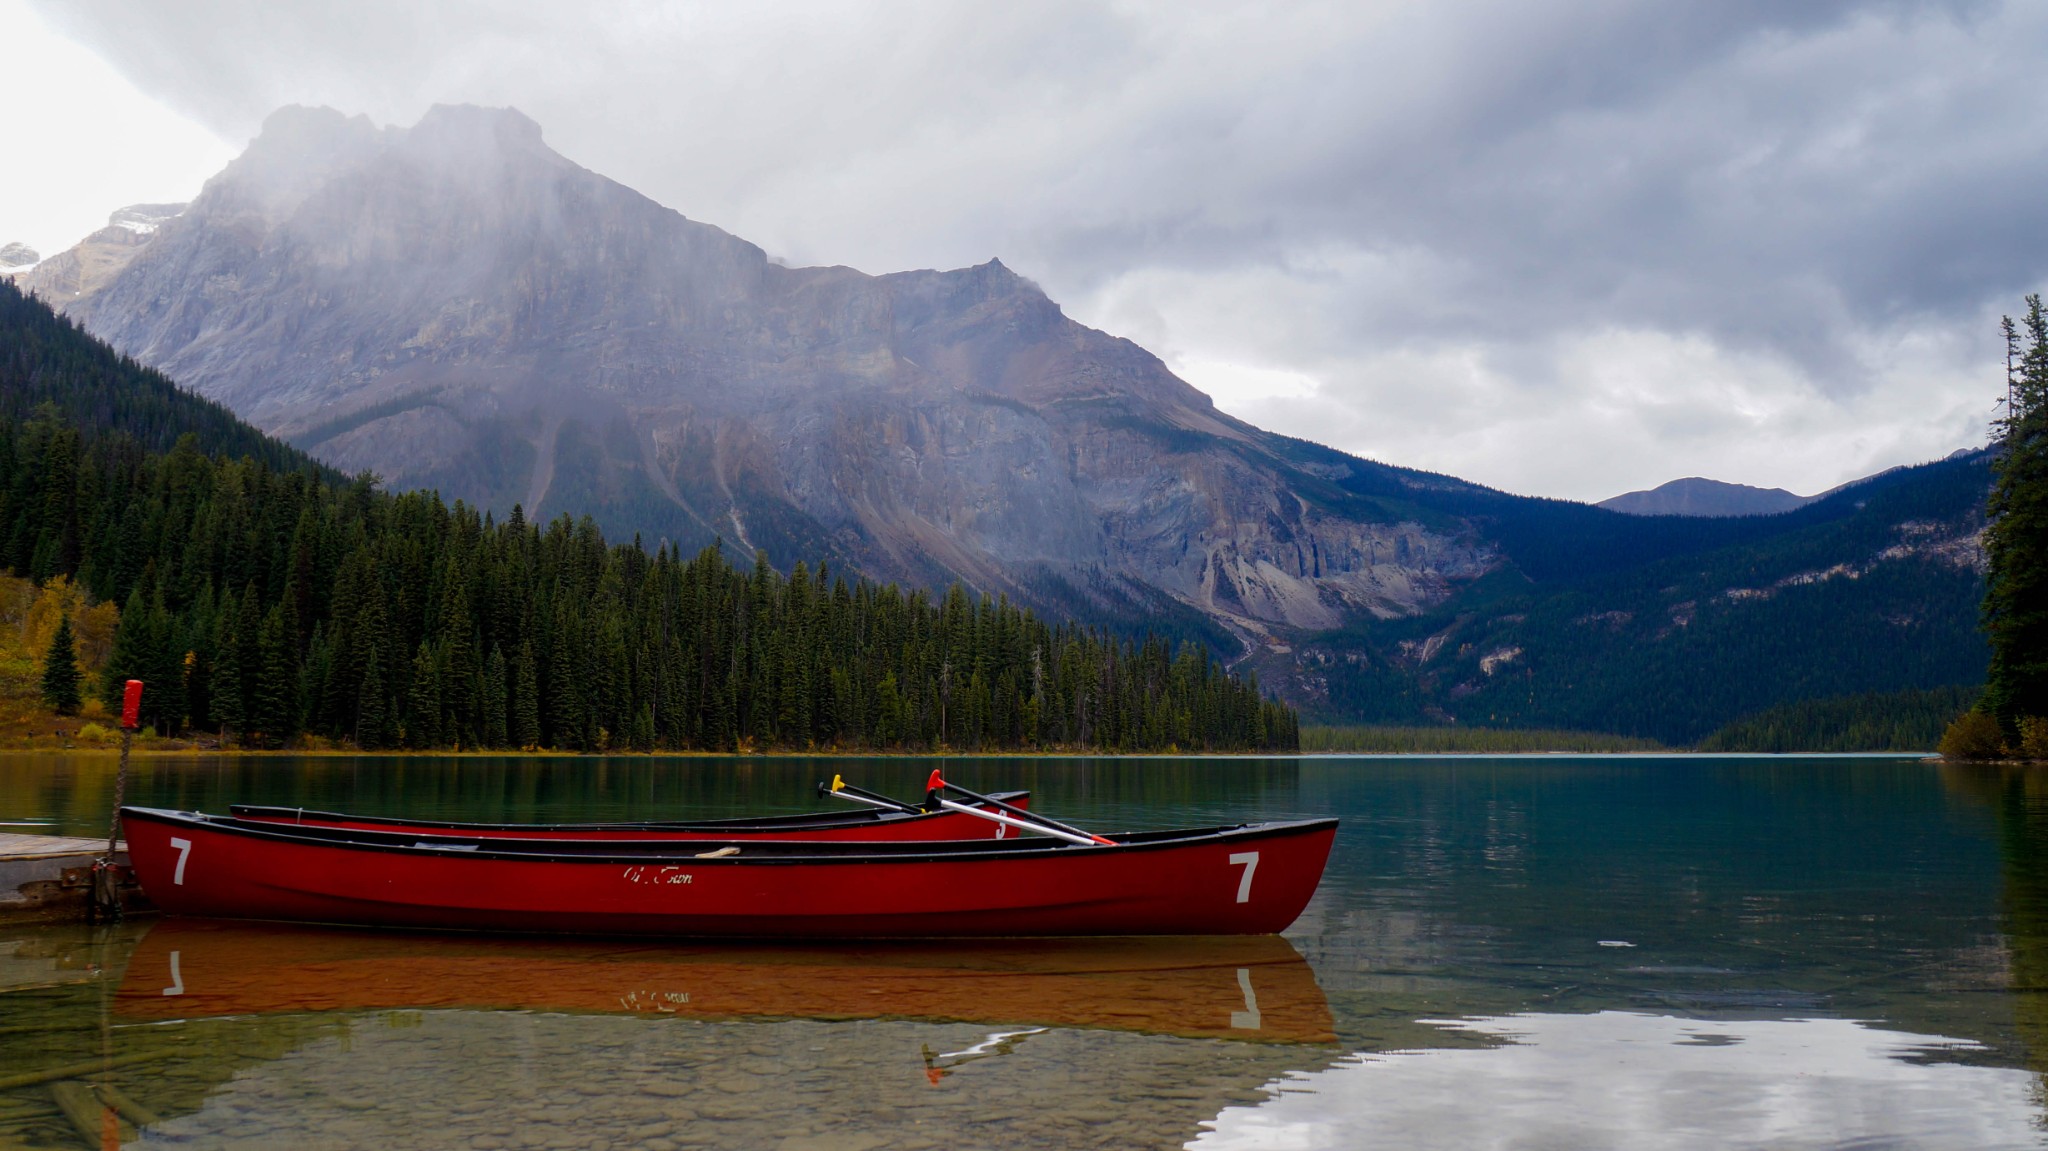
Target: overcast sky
point(1565, 247)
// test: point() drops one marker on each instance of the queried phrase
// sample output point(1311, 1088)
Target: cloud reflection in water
point(1626, 1080)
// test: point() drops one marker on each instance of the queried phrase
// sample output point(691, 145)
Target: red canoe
point(1246, 880)
point(863, 825)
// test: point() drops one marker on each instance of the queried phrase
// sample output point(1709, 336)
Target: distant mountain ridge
point(93, 262)
point(455, 305)
point(1696, 496)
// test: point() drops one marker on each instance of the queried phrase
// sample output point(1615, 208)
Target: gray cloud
point(1568, 246)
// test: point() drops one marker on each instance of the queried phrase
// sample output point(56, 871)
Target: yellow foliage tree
point(93, 624)
point(95, 628)
point(2033, 737)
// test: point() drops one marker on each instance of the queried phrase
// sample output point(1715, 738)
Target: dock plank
point(14, 846)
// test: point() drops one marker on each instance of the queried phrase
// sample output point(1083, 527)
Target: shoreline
point(1006, 754)
point(776, 753)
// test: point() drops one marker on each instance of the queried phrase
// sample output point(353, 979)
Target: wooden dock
point(49, 877)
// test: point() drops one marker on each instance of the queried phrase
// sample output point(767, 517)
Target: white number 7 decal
point(1250, 860)
point(184, 849)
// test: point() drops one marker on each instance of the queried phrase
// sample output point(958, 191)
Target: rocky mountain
point(456, 305)
point(1695, 496)
point(17, 257)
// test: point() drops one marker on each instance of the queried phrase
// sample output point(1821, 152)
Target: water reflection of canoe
point(1250, 879)
point(862, 825)
point(1242, 987)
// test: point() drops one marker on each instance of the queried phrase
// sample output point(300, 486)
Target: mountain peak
point(503, 126)
point(1698, 496)
point(298, 126)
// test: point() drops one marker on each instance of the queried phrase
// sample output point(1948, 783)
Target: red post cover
point(131, 705)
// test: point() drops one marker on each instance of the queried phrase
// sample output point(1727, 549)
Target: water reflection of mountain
point(399, 1041)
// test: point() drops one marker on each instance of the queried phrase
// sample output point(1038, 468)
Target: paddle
point(845, 790)
point(1028, 820)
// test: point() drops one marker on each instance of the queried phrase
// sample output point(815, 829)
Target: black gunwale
point(755, 853)
point(809, 820)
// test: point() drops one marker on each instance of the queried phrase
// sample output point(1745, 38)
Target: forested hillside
point(267, 599)
point(1877, 721)
point(47, 359)
point(1873, 589)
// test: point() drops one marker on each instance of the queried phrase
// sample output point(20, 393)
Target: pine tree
point(568, 716)
point(249, 655)
point(526, 702)
point(132, 655)
point(371, 716)
point(494, 730)
point(460, 674)
point(423, 708)
point(273, 704)
point(60, 670)
point(165, 668)
point(229, 711)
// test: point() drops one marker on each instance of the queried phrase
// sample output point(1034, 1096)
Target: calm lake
point(1548, 952)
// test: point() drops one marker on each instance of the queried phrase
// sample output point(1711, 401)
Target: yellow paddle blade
point(837, 782)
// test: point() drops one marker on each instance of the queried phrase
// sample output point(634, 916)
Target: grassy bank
point(1446, 740)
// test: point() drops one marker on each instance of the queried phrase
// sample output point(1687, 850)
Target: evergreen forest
point(2016, 543)
point(267, 599)
point(1908, 720)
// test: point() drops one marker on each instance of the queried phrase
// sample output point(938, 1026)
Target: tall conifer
point(273, 699)
point(226, 694)
point(60, 670)
point(525, 699)
point(371, 715)
point(2016, 542)
point(423, 706)
point(493, 733)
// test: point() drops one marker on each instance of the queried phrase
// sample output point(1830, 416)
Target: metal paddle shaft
point(1066, 831)
point(999, 817)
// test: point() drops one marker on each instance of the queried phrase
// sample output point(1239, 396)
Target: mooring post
point(106, 881)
